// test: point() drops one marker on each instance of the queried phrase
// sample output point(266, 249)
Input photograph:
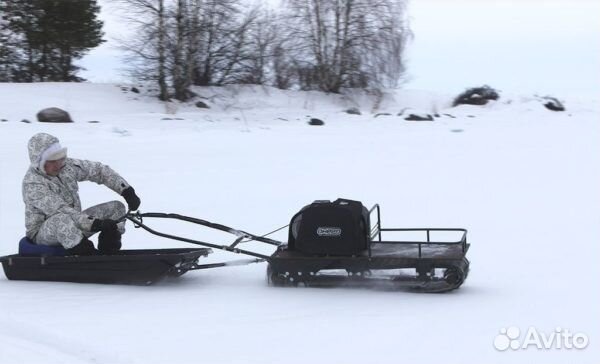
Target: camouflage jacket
point(45, 196)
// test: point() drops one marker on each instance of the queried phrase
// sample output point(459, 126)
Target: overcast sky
point(540, 46)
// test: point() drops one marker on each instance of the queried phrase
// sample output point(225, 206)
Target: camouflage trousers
point(60, 229)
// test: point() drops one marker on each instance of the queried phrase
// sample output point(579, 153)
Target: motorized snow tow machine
point(329, 244)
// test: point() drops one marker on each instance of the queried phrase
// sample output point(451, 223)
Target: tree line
point(41, 39)
point(322, 45)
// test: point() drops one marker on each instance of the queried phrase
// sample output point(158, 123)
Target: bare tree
point(147, 50)
point(162, 77)
point(233, 48)
point(256, 64)
point(317, 44)
point(182, 43)
point(193, 40)
point(347, 43)
point(180, 83)
point(282, 67)
point(217, 39)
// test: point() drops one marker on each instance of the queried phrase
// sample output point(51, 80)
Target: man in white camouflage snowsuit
point(53, 214)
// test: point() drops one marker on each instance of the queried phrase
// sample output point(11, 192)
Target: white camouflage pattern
point(60, 229)
point(46, 196)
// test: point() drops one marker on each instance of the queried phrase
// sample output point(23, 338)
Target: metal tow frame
point(138, 220)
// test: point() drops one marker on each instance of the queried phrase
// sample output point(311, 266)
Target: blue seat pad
point(27, 248)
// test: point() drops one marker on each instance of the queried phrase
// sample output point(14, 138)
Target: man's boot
point(85, 247)
point(109, 241)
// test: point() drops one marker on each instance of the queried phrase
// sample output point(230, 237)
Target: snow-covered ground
point(523, 180)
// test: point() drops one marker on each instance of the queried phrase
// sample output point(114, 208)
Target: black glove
point(85, 247)
point(133, 201)
point(104, 225)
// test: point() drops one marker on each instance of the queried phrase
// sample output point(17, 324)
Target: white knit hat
point(52, 153)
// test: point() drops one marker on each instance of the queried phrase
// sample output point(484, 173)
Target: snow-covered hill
point(522, 179)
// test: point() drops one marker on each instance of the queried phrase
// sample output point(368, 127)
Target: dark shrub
point(476, 96)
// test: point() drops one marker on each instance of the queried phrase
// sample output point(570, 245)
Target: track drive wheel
point(274, 279)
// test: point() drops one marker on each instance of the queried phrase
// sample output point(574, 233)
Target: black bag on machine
point(340, 227)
